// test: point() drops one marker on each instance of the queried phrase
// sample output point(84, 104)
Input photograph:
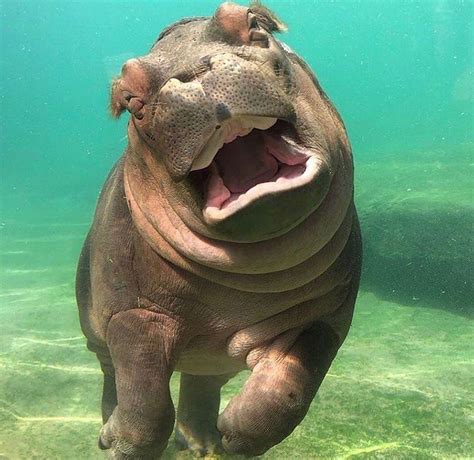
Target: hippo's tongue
point(245, 162)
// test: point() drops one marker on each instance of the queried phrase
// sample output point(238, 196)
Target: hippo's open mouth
point(248, 158)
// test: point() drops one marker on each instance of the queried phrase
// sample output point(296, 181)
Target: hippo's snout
point(190, 112)
point(231, 113)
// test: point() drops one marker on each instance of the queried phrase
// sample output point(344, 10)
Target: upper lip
point(227, 132)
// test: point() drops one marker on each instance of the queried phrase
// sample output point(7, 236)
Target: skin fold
point(168, 280)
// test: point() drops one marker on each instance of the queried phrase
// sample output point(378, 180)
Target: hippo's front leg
point(279, 391)
point(143, 345)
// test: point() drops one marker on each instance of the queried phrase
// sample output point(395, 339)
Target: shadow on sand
point(420, 257)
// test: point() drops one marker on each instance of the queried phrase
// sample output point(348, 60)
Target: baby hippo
point(225, 238)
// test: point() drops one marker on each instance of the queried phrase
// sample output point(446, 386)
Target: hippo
point(225, 239)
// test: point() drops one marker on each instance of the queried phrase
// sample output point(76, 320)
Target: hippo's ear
point(117, 102)
point(130, 90)
point(266, 18)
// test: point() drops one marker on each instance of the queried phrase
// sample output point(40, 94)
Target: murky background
point(401, 75)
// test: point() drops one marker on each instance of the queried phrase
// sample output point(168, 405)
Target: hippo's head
point(243, 140)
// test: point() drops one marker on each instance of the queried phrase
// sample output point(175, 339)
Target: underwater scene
point(401, 75)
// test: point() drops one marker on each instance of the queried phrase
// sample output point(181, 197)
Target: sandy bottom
point(401, 387)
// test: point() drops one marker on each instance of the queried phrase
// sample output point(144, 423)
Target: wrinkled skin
point(224, 239)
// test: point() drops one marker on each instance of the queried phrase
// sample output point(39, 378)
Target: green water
point(400, 73)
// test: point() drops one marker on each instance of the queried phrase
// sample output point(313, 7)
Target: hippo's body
point(225, 239)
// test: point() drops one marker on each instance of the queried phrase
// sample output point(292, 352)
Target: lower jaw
point(291, 179)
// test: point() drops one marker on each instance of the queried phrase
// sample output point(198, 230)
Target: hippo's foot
point(199, 441)
point(143, 420)
point(276, 396)
point(265, 412)
point(120, 448)
point(198, 408)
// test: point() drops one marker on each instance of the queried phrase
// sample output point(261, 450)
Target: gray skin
point(168, 280)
